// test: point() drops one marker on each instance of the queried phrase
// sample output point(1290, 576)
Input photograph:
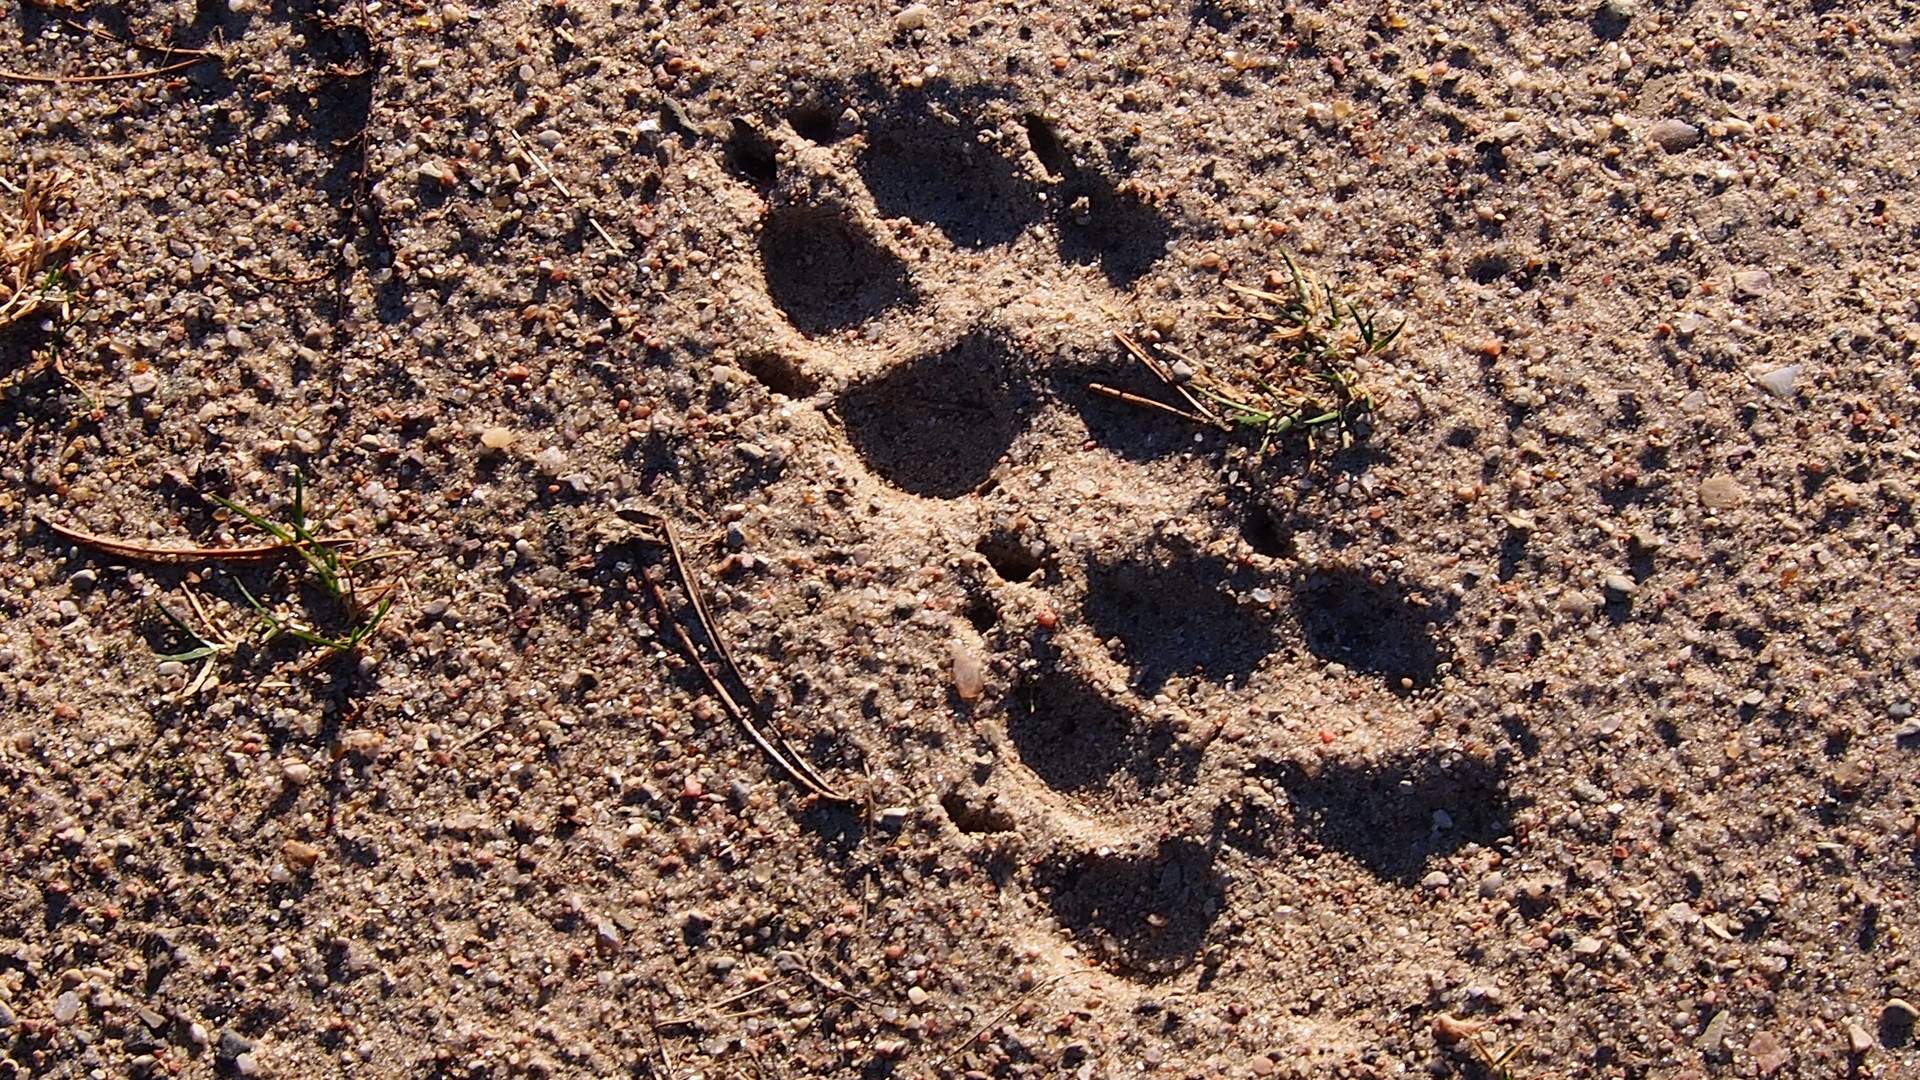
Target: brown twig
point(657, 530)
point(128, 549)
point(164, 50)
point(122, 76)
point(1136, 399)
point(271, 279)
point(659, 1044)
point(1165, 374)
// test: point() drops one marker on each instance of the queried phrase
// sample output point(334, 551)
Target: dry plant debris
point(1309, 379)
point(38, 258)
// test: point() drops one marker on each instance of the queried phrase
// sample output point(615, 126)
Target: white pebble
point(1779, 381)
point(912, 17)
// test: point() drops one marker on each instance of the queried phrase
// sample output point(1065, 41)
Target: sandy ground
point(1561, 725)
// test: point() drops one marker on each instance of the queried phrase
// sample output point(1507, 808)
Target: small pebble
point(912, 17)
point(1768, 1054)
point(296, 773)
point(1620, 585)
point(1752, 284)
point(496, 438)
point(143, 384)
point(66, 1007)
point(232, 1045)
point(300, 854)
point(1899, 1012)
point(1779, 381)
point(1436, 880)
point(1673, 135)
point(969, 673)
point(1859, 1041)
point(1715, 1032)
point(1721, 493)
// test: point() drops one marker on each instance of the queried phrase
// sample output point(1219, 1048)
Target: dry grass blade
point(36, 256)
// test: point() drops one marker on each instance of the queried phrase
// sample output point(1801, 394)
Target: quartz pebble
point(1779, 381)
point(969, 674)
point(1752, 284)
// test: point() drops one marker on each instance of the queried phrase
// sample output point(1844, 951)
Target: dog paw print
point(937, 265)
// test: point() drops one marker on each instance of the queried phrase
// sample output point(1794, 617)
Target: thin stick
point(1165, 375)
point(712, 1006)
point(1257, 294)
point(127, 549)
point(124, 76)
point(611, 242)
point(1136, 399)
point(535, 158)
point(1002, 1015)
point(840, 991)
point(164, 50)
point(660, 1044)
point(660, 531)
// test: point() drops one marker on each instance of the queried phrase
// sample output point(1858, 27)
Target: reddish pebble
point(516, 373)
point(692, 788)
point(1047, 619)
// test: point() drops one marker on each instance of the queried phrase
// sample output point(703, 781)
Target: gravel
point(1561, 711)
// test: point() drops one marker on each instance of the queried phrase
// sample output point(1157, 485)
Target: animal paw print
point(937, 264)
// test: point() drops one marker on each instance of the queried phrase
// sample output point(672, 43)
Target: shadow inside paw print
point(938, 425)
point(1175, 619)
point(1099, 221)
point(1370, 627)
point(1146, 915)
point(825, 273)
point(1394, 814)
point(924, 163)
point(1077, 741)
